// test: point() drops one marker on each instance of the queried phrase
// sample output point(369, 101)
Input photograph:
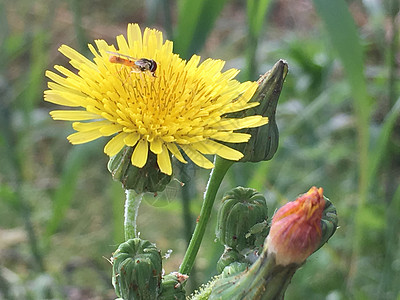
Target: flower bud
point(296, 228)
point(149, 178)
point(264, 139)
point(137, 270)
point(241, 209)
point(172, 287)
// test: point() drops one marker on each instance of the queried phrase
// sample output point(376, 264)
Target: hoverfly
point(137, 65)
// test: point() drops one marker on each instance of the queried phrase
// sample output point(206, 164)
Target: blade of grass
point(195, 21)
point(32, 84)
point(80, 33)
point(208, 16)
point(344, 37)
point(256, 12)
point(188, 16)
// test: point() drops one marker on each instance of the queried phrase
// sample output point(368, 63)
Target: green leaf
point(256, 11)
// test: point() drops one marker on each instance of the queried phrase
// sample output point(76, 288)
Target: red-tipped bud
point(296, 228)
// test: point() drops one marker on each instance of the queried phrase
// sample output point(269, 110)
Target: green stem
point(216, 176)
point(132, 204)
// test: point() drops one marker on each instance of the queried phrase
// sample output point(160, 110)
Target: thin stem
point(132, 204)
point(216, 176)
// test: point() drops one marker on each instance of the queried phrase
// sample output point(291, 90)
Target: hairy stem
point(132, 204)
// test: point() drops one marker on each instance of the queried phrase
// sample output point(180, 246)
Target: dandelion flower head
point(183, 108)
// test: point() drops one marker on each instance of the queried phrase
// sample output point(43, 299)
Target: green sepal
point(149, 178)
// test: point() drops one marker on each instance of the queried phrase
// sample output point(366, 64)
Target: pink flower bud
point(296, 228)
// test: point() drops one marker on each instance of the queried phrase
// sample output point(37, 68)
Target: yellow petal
point(156, 146)
point(211, 147)
point(247, 122)
point(56, 98)
point(80, 126)
point(75, 56)
point(110, 129)
point(131, 139)
point(175, 152)
point(139, 155)
point(231, 137)
point(73, 115)
point(197, 157)
point(115, 144)
point(164, 161)
point(84, 136)
point(134, 35)
point(123, 47)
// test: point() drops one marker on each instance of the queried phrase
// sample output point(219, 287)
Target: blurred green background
point(61, 213)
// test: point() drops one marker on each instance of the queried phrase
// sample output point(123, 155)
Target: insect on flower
point(137, 65)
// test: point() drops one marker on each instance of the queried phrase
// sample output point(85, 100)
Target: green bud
point(137, 270)
point(172, 287)
point(241, 209)
point(264, 139)
point(228, 257)
point(149, 178)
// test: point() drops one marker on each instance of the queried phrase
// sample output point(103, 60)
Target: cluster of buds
point(297, 230)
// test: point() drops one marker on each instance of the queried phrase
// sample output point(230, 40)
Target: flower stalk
point(216, 176)
point(132, 204)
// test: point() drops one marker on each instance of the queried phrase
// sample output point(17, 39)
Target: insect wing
point(144, 64)
point(122, 55)
point(171, 193)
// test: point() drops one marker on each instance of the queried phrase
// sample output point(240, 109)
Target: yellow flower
point(296, 228)
point(183, 107)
